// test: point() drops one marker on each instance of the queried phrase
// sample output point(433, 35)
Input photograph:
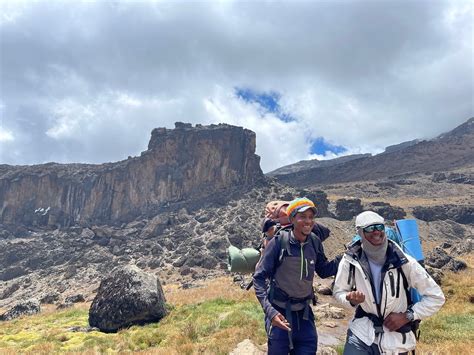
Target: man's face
point(375, 234)
point(303, 222)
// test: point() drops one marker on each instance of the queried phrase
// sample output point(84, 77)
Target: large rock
point(386, 210)
point(22, 308)
point(128, 296)
point(439, 259)
point(346, 209)
point(457, 213)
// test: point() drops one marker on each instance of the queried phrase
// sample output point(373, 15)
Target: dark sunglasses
point(374, 227)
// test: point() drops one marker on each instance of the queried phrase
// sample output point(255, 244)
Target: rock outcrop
point(459, 214)
point(22, 308)
point(192, 164)
point(128, 296)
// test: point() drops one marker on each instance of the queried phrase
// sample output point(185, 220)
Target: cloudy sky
point(88, 81)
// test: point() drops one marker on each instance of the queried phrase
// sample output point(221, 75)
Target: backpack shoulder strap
point(405, 286)
point(284, 240)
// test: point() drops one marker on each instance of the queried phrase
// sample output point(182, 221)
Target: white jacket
point(431, 301)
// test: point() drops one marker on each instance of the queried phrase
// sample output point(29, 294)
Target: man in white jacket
point(374, 276)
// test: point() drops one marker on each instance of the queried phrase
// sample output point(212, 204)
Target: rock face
point(185, 164)
point(129, 296)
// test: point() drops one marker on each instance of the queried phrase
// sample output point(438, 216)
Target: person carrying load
point(290, 260)
point(375, 276)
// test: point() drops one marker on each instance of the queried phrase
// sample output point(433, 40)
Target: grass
point(213, 319)
point(451, 330)
point(212, 324)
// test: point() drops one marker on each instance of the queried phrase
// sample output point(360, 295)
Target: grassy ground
point(210, 325)
point(451, 331)
point(213, 319)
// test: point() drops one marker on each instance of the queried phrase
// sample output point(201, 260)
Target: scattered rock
point(437, 258)
point(64, 305)
point(128, 296)
point(463, 247)
point(10, 290)
point(387, 211)
point(455, 265)
point(330, 324)
point(326, 350)
point(49, 298)
point(458, 213)
point(22, 308)
point(75, 298)
point(326, 311)
point(12, 272)
point(446, 245)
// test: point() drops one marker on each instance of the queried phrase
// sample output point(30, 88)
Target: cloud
point(88, 81)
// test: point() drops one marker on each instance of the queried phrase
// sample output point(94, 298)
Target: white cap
point(368, 218)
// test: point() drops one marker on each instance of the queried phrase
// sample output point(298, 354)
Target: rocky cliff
point(191, 164)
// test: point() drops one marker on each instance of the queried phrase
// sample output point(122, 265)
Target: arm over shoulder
point(341, 286)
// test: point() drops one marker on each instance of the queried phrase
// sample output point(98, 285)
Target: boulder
point(22, 308)
point(128, 296)
point(346, 209)
point(75, 298)
point(49, 298)
point(386, 210)
point(458, 213)
point(437, 258)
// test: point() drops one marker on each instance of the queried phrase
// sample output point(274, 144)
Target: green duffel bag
point(242, 260)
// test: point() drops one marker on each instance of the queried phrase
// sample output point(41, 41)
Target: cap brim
point(305, 208)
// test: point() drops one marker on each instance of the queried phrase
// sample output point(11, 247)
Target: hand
point(395, 320)
point(280, 322)
point(355, 297)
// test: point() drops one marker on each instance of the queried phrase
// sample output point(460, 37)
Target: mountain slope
point(448, 151)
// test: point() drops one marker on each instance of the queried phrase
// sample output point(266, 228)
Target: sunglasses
point(374, 227)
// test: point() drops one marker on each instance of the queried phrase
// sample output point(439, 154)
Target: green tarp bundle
point(242, 260)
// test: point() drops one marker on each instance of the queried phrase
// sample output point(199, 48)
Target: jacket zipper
point(302, 261)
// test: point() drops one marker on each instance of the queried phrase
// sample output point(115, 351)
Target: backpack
point(276, 211)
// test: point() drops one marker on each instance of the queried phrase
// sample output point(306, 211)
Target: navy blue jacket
point(312, 260)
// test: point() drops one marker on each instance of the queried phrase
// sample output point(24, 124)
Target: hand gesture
point(280, 322)
point(395, 320)
point(355, 297)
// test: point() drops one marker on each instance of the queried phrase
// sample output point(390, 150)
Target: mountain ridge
point(447, 151)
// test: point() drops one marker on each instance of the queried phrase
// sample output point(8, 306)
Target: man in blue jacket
point(290, 260)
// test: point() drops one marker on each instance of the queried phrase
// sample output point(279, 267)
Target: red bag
point(276, 210)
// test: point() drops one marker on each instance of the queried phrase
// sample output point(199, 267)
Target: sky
point(87, 81)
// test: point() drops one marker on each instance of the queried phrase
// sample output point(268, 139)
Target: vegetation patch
point(215, 326)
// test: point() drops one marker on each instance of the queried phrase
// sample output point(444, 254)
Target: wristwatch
point(409, 315)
